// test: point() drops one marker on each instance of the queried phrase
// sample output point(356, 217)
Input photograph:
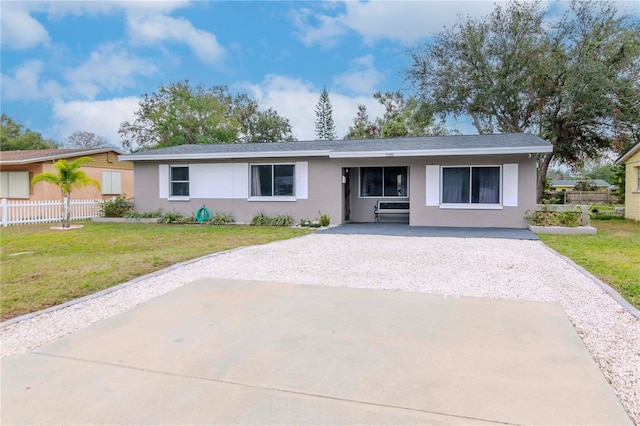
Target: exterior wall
point(632, 191)
point(324, 188)
point(107, 161)
point(505, 217)
point(325, 192)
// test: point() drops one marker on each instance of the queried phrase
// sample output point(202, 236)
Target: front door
point(346, 191)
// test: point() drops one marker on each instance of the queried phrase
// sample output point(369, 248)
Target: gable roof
point(508, 143)
point(573, 182)
point(629, 153)
point(40, 155)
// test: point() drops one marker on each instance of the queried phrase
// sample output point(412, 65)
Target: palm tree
point(68, 178)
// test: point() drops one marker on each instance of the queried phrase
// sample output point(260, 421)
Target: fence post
point(5, 215)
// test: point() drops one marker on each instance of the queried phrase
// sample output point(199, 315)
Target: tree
point(178, 114)
point(260, 126)
point(82, 139)
point(362, 128)
point(574, 81)
point(619, 179)
point(68, 178)
point(325, 129)
point(14, 136)
point(402, 117)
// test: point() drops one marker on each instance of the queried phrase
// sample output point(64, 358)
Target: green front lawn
point(40, 267)
point(613, 255)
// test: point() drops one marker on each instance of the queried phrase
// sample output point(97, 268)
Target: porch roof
point(507, 143)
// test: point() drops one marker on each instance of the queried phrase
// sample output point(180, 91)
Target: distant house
point(474, 180)
point(569, 185)
point(631, 160)
point(17, 168)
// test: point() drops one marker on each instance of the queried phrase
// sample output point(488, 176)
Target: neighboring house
point(17, 168)
point(631, 160)
point(478, 180)
point(569, 185)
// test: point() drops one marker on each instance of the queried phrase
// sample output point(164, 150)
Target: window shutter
point(163, 181)
point(510, 185)
point(302, 180)
point(241, 180)
point(433, 186)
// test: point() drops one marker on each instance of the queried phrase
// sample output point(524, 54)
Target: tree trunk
point(542, 175)
point(66, 221)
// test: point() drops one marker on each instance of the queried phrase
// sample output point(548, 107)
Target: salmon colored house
point(17, 169)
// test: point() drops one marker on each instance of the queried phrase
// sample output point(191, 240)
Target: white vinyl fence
point(25, 211)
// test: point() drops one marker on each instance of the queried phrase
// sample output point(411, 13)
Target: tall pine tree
point(325, 129)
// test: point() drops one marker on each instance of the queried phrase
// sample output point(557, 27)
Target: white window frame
point(381, 196)
point(471, 206)
point(24, 192)
point(280, 198)
point(171, 181)
point(108, 185)
point(638, 179)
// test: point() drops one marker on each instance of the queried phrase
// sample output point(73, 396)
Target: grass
point(40, 267)
point(613, 255)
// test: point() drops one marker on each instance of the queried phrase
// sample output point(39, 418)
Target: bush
point(553, 218)
point(221, 219)
point(325, 219)
point(173, 217)
point(281, 220)
point(117, 207)
point(262, 219)
point(147, 215)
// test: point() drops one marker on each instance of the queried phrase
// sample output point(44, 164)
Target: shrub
point(172, 217)
point(281, 220)
point(571, 218)
point(325, 219)
point(221, 219)
point(146, 215)
point(117, 207)
point(261, 219)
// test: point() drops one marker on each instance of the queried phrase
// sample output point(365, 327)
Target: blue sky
point(77, 65)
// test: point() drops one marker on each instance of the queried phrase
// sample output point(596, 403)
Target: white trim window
point(385, 182)
point(179, 181)
point(272, 180)
point(471, 185)
point(111, 183)
point(15, 184)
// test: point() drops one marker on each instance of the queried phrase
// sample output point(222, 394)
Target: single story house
point(631, 160)
point(569, 184)
point(17, 169)
point(470, 180)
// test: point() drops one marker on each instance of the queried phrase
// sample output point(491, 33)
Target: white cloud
point(108, 67)
point(296, 100)
point(362, 77)
point(403, 21)
point(315, 28)
point(19, 29)
point(154, 29)
point(25, 84)
point(100, 117)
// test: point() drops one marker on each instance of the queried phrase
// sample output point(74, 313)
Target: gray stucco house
point(471, 180)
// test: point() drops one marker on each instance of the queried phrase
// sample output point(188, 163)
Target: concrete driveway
point(221, 351)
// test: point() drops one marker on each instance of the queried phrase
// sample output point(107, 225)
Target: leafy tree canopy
point(82, 139)
point(574, 81)
point(14, 137)
point(325, 127)
point(178, 114)
point(402, 117)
